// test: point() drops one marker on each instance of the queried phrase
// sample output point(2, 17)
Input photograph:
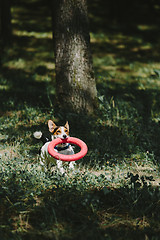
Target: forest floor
point(114, 191)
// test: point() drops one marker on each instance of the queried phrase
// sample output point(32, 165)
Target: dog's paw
point(72, 166)
point(61, 170)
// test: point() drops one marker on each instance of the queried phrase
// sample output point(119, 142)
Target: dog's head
point(58, 131)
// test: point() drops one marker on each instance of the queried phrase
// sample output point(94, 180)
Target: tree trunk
point(5, 21)
point(75, 83)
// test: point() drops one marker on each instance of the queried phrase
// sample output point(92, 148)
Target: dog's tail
point(40, 136)
point(37, 134)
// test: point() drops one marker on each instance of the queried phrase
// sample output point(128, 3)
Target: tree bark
point(75, 82)
point(5, 21)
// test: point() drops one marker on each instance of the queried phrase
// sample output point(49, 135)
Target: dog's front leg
point(60, 166)
point(72, 165)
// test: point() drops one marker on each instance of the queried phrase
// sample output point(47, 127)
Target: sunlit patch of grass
point(33, 34)
point(9, 151)
point(4, 87)
point(144, 27)
point(18, 64)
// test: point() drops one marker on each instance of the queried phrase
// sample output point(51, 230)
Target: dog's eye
point(58, 131)
point(66, 131)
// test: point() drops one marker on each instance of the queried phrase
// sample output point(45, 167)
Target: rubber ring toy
point(67, 158)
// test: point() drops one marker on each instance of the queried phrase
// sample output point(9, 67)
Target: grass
point(90, 202)
point(114, 191)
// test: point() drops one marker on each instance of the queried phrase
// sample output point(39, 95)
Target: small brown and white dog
point(55, 132)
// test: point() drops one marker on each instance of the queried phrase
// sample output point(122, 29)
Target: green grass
point(89, 202)
point(114, 191)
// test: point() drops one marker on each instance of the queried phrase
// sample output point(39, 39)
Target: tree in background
point(5, 24)
point(5, 21)
point(75, 82)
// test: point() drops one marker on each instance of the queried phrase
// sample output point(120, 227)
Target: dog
point(46, 160)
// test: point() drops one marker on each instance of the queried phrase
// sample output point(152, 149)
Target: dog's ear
point(67, 126)
point(51, 126)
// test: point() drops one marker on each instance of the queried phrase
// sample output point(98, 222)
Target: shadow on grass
point(111, 15)
point(70, 212)
point(27, 66)
point(126, 31)
point(128, 119)
point(19, 89)
point(126, 123)
point(127, 113)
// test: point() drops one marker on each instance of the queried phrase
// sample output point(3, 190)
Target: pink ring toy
point(67, 158)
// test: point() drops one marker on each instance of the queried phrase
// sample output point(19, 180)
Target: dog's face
point(58, 131)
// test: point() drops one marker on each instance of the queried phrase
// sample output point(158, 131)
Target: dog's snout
point(64, 136)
